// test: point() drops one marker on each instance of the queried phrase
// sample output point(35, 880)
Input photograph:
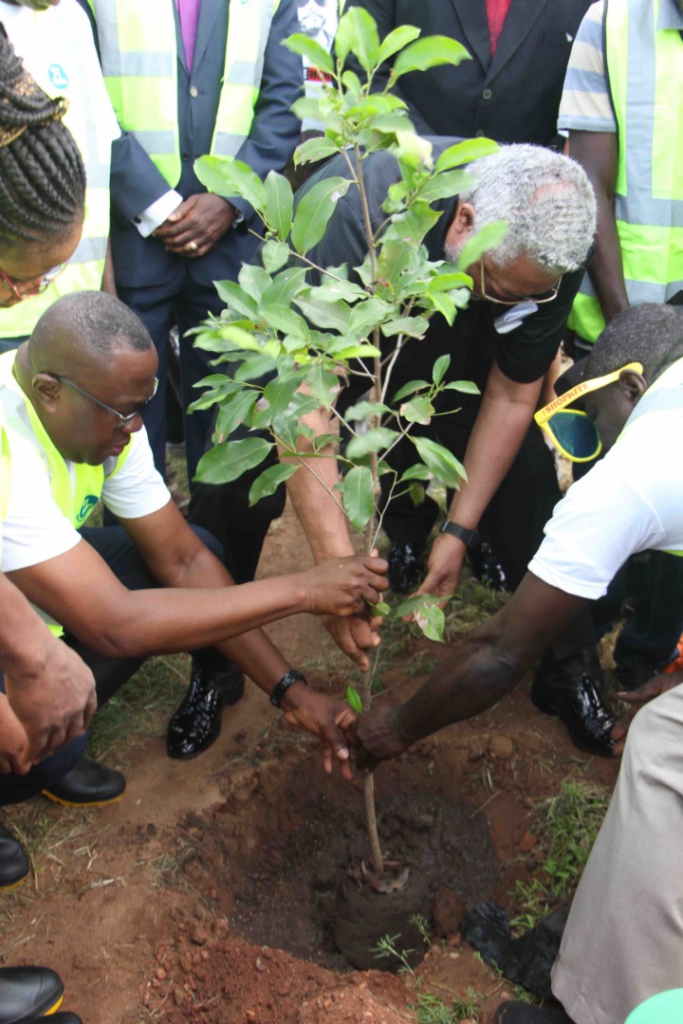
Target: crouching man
point(75, 392)
point(632, 501)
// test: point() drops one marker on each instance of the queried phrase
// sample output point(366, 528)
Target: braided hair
point(42, 177)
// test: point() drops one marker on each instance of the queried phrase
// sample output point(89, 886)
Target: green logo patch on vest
point(86, 508)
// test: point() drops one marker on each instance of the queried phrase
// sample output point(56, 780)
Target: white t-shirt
point(35, 528)
point(631, 501)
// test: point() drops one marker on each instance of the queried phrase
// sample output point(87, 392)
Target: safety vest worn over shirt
point(76, 487)
point(53, 54)
point(644, 65)
point(139, 59)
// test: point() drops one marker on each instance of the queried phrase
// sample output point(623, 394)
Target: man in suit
point(186, 78)
point(510, 90)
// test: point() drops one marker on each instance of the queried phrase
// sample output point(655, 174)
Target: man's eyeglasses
point(123, 420)
point(571, 431)
point(538, 299)
point(26, 289)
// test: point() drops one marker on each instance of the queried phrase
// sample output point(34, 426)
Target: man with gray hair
point(505, 341)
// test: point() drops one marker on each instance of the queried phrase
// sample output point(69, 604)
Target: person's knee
point(656, 730)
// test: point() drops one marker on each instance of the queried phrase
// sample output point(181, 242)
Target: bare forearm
point(108, 282)
point(23, 636)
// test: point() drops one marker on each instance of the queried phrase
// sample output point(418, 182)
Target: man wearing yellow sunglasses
point(632, 501)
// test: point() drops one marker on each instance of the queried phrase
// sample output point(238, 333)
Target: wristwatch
point(468, 537)
point(291, 677)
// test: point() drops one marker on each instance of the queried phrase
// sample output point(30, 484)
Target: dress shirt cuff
point(159, 211)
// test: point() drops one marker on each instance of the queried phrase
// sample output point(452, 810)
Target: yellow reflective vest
point(644, 65)
point(140, 65)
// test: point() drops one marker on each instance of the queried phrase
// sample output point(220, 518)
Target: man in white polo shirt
point(632, 501)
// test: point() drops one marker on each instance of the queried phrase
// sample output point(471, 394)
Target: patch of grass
point(141, 707)
point(465, 1008)
point(567, 830)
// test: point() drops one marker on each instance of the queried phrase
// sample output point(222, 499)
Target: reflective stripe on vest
point(86, 266)
point(140, 65)
point(645, 66)
point(5, 473)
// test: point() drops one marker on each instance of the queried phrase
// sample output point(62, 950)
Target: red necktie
point(496, 12)
point(189, 17)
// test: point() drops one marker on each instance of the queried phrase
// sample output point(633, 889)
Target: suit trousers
point(114, 545)
point(181, 301)
point(624, 938)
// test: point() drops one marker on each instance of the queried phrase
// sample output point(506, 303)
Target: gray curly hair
point(547, 200)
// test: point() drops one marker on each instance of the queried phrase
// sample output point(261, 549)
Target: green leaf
point(254, 280)
point(234, 297)
point(332, 290)
point(465, 153)
point(362, 410)
point(279, 204)
point(416, 603)
point(431, 621)
point(285, 286)
point(315, 210)
point(229, 177)
point(443, 186)
point(412, 326)
point(354, 352)
point(233, 412)
point(313, 150)
point(443, 304)
point(396, 40)
point(357, 34)
point(307, 47)
point(416, 472)
point(409, 388)
point(428, 53)
point(269, 481)
point(411, 226)
point(418, 410)
point(322, 385)
point(443, 464)
point(353, 699)
point(278, 393)
point(229, 461)
point(417, 494)
point(447, 281)
point(487, 238)
point(440, 368)
point(254, 366)
point(284, 319)
point(381, 608)
point(358, 497)
point(467, 387)
point(373, 441)
point(332, 315)
point(274, 255)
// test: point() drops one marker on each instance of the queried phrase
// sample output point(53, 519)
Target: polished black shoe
point(406, 567)
point(56, 1018)
point(28, 992)
point(89, 784)
point(581, 708)
point(196, 723)
point(516, 1012)
point(486, 567)
point(14, 863)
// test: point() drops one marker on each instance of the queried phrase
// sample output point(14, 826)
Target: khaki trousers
point(624, 938)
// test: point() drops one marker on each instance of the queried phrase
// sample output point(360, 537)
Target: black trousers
point(114, 545)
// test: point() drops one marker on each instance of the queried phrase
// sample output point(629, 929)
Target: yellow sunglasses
point(571, 430)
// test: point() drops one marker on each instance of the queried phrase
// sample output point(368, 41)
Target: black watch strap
point(468, 537)
point(281, 688)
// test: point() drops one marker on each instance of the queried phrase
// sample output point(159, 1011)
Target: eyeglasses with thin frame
point(538, 299)
point(123, 420)
point(33, 287)
point(571, 430)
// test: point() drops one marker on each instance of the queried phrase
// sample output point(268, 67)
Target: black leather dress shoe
point(581, 708)
point(28, 992)
point(517, 1012)
point(196, 723)
point(406, 567)
point(13, 862)
point(89, 784)
point(56, 1018)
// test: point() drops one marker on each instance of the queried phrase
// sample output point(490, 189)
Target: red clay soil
point(179, 903)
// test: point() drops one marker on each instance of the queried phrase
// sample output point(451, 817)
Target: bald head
point(79, 333)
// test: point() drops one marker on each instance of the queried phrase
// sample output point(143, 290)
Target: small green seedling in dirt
point(466, 1008)
point(386, 948)
point(292, 329)
point(422, 925)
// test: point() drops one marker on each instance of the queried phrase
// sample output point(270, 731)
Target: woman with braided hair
point(50, 691)
point(42, 184)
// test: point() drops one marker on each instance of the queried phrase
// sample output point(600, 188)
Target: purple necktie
point(189, 17)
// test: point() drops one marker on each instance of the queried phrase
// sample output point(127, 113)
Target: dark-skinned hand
point(375, 737)
point(196, 225)
point(343, 586)
point(14, 748)
point(654, 687)
point(355, 636)
point(325, 717)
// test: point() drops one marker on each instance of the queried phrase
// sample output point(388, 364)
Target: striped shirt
point(586, 104)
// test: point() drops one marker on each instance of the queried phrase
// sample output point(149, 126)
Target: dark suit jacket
point(512, 97)
point(136, 183)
